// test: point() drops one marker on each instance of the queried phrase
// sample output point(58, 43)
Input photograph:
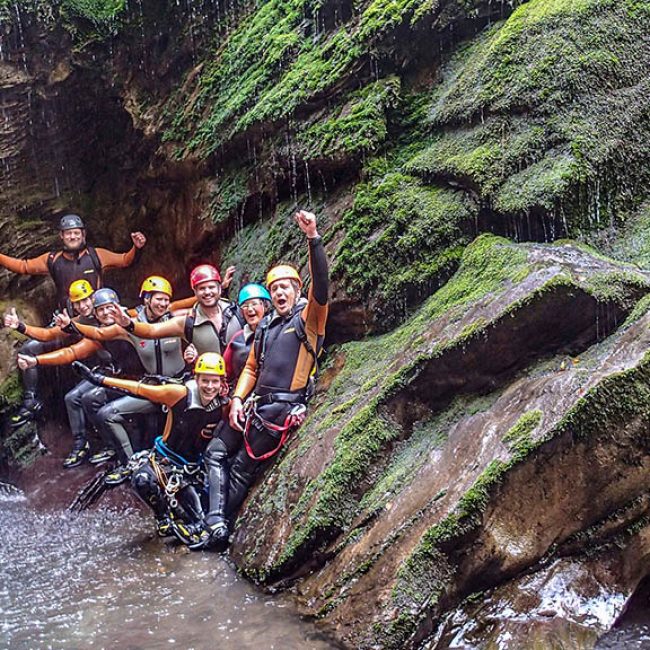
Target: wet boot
point(216, 465)
point(28, 411)
point(242, 474)
point(78, 455)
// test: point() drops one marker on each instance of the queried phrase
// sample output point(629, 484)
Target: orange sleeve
point(65, 356)
point(167, 394)
point(248, 377)
point(33, 266)
point(111, 260)
point(108, 333)
point(172, 327)
point(184, 303)
point(44, 333)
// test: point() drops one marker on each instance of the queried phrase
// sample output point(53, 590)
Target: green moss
point(11, 391)
point(357, 127)
point(520, 433)
point(229, 195)
point(531, 113)
point(400, 237)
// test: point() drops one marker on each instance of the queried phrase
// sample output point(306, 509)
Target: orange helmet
point(282, 272)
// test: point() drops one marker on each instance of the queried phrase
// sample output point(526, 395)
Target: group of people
point(190, 398)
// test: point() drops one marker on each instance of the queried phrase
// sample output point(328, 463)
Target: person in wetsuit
point(194, 409)
point(76, 261)
point(207, 327)
point(160, 358)
point(254, 303)
point(81, 402)
point(274, 382)
point(46, 339)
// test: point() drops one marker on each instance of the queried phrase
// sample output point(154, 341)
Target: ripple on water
point(98, 580)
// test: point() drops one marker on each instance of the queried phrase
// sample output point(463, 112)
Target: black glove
point(89, 375)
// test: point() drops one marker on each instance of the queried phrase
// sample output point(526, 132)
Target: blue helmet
point(70, 221)
point(105, 297)
point(253, 290)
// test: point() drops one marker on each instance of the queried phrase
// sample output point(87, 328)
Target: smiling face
point(157, 304)
point(284, 295)
point(73, 239)
point(253, 311)
point(209, 386)
point(208, 293)
point(106, 313)
point(83, 307)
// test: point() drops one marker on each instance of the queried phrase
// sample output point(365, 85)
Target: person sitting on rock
point(207, 327)
point(160, 358)
point(193, 409)
point(46, 339)
point(81, 402)
point(274, 383)
point(76, 261)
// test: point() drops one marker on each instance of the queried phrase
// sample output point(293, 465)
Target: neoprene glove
point(89, 375)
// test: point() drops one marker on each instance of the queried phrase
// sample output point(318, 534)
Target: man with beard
point(76, 261)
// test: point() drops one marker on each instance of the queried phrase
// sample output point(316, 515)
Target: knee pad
point(216, 451)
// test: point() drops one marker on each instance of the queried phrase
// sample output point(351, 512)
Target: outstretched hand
point(62, 319)
point(11, 319)
point(307, 223)
point(227, 277)
point(139, 239)
point(89, 375)
point(26, 361)
point(119, 315)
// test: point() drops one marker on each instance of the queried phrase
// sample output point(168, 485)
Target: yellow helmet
point(79, 290)
point(156, 283)
point(210, 363)
point(282, 272)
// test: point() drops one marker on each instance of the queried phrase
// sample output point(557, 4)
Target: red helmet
point(204, 273)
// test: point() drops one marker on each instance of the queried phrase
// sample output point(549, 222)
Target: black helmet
point(70, 221)
point(105, 296)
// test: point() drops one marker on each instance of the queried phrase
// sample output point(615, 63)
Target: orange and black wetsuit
point(87, 264)
point(277, 371)
point(188, 429)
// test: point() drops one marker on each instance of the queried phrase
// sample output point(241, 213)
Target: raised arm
point(315, 313)
point(111, 260)
point(32, 266)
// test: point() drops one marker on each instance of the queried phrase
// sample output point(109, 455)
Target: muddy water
point(101, 580)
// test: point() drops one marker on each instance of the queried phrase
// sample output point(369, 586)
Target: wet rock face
point(497, 428)
point(513, 424)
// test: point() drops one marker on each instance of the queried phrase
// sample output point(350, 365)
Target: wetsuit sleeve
point(248, 377)
point(111, 260)
point(64, 356)
point(32, 266)
point(108, 333)
point(167, 394)
point(185, 303)
point(44, 333)
point(315, 313)
point(171, 327)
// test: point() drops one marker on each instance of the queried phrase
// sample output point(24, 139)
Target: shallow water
point(101, 580)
